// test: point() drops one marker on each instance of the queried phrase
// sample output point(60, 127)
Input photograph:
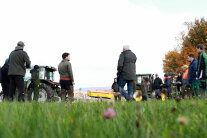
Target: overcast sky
point(94, 32)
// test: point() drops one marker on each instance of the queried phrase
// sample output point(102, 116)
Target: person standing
point(157, 86)
point(115, 87)
point(185, 82)
point(179, 82)
point(167, 84)
point(35, 83)
point(126, 71)
point(66, 77)
point(144, 88)
point(5, 80)
point(18, 62)
point(192, 74)
point(202, 66)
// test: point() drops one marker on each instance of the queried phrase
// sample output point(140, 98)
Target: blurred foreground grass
point(187, 118)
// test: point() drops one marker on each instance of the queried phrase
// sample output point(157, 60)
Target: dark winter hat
point(166, 75)
point(20, 43)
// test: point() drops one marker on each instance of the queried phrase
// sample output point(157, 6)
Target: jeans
point(129, 83)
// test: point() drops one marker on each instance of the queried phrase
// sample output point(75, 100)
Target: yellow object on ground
point(138, 96)
point(163, 96)
point(101, 93)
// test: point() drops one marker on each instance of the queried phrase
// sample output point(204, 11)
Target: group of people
point(14, 70)
point(193, 78)
point(189, 81)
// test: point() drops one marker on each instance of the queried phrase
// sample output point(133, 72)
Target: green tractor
point(48, 89)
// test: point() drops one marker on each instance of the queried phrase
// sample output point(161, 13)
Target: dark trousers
point(5, 88)
point(144, 98)
point(70, 93)
point(16, 82)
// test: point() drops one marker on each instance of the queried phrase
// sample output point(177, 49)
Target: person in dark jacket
point(116, 88)
point(157, 86)
point(35, 82)
point(144, 88)
point(18, 62)
point(202, 67)
point(192, 74)
point(5, 80)
point(126, 71)
point(167, 84)
point(66, 77)
point(179, 82)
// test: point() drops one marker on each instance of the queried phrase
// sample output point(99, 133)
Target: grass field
point(187, 118)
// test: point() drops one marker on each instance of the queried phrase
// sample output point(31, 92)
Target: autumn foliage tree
point(197, 34)
point(169, 63)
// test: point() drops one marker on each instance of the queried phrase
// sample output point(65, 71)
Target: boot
point(63, 94)
point(71, 94)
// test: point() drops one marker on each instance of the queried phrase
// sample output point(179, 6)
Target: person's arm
point(27, 60)
point(198, 67)
point(195, 65)
point(70, 72)
point(112, 87)
point(120, 64)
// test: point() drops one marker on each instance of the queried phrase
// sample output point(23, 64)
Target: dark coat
point(144, 88)
point(157, 83)
point(192, 71)
point(179, 79)
point(17, 60)
point(4, 73)
point(115, 87)
point(65, 70)
point(35, 76)
point(127, 65)
point(202, 65)
point(167, 85)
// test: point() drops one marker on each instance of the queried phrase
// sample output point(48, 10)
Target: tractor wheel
point(45, 93)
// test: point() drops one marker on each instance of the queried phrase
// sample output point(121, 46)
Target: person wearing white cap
point(126, 71)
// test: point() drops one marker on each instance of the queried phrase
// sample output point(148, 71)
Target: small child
point(116, 88)
point(144, 88)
